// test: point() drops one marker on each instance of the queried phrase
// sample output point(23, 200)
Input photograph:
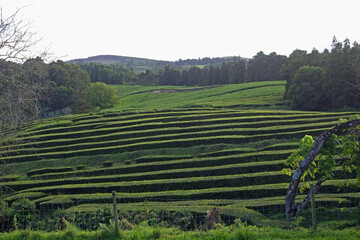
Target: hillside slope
point(254, 95)
point(225, 155)
point(140, 64)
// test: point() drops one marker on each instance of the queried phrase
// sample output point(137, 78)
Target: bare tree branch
point(21, 86)
point(17, 41)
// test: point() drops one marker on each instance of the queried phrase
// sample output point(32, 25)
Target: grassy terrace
point(245, 95)
point(189, 148)
point(246, 129)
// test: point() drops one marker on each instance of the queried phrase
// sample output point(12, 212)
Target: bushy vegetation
point(324, 81)
point(195, 158)
point(144, 232)
point(191, 72)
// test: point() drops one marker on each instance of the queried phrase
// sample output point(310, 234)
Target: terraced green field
point(195, 158)
point(246, 96)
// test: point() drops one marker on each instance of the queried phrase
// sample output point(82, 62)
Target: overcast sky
point(174, 29)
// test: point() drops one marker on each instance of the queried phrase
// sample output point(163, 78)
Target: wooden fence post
point(116, 217)
point(313, 213)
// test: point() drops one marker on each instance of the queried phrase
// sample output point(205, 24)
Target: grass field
point(144, 233)
point(194, 147)
point(249, 95)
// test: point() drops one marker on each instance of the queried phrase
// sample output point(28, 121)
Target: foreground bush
point(143, 231)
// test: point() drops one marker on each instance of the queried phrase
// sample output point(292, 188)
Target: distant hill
point(121, 60)
point(141, 64)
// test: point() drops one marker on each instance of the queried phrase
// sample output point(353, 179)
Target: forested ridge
point(35, 89)
point(324, 81)
point(328, 80)
point(191, 72)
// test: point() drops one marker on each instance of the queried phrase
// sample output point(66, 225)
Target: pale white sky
point(173, 29)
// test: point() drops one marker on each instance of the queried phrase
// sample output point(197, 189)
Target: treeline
point(324, 81)
point(35, 89)
point(201, 61)
point(261, 67)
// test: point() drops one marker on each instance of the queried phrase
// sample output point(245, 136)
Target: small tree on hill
point(100, 95)
point(316, 159)
point(305, 90)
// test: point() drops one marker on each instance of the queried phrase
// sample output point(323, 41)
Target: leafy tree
point(225, 73)
point(100, 95)
point(193, 76)
point(112, 74)
point(204, 77)
point(214, 75)
point(296, 59)
point(148, 78)
point(318, 160)
point(264, 67)
point(305, 90)
point(170, 76)
point(62, 97)
point(341, 77)
point(339, 87)
point(274, 65)
point(238, 73)
point(70, 84)
point(24, 212)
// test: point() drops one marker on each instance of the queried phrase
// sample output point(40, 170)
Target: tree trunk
point(342, 129)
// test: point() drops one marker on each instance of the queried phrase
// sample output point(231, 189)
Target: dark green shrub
point(338, 224)
point(108, 164)
point(24, 213)
point(9, 178)
point(5, 216)
point(80, 167)
point(49, 170)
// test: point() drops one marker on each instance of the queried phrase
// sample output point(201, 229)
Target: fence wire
point(181, 213)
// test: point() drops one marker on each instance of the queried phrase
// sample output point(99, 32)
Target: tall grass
point(143, 232)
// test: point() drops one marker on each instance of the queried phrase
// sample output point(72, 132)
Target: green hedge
point(262, 157)
point(92, 202)
point(8, 178)
point(251, 183)
point(169, 174)
point(170, 191)
point(195, 114)
point(97, 129)
point(139, 144)
point(282, 146)
point(185, 182)
point(246, 192)
point(159, 128)
point(29, 195)
point(157, 158)
point(163, 134)
point(261, 205)
point(156, 175)
point(49, 170)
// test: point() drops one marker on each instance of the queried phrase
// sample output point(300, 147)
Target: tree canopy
point(100, 95)
point(335, 87)
point(234, 70)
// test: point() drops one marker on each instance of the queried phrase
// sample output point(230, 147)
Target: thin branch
point(306, 201)
point(17, 41)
